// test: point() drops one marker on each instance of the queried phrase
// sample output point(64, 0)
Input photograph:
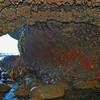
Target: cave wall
point(73, 46)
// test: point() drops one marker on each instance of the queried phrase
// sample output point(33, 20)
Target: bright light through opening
point(8, 45)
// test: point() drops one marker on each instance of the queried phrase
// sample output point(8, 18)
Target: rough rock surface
point(16, 13)
point(49, 91)
point(3, 89)
point(8, 62)
point(63, 50)
point(41, 91)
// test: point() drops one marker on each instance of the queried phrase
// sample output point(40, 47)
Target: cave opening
point(8, 46)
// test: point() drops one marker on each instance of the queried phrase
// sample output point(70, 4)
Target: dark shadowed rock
point(8, 62)
point(47, 44)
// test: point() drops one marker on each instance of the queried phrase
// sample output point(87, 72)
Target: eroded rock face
point(41, 37)
point(64, 50)
point(44, 38)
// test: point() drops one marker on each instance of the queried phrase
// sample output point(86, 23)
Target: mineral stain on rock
point(54, 44)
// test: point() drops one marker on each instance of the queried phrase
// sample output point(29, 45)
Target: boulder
point(24, 90)
point(48, 91)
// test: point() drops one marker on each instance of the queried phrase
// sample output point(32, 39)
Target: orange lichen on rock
point(12, 74)
point(1, 5)
point(1, 30)
point(23, 11)
point(23, 69)
point(59, 2)
point(91, 67)
point(16, 73)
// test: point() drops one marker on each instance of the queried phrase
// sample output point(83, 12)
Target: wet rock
point(5, 75)
point(22, 91)
point(35, 84)
point(48, 91)
point(7, 81)
point(39, 91)
point(4, 88)
point(36, 98)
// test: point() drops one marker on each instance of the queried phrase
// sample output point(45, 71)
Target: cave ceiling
point(15, 14)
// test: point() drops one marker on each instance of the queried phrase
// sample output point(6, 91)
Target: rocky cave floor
point(22, 86)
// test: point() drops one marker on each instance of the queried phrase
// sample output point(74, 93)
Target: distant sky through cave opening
point(8, 45)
